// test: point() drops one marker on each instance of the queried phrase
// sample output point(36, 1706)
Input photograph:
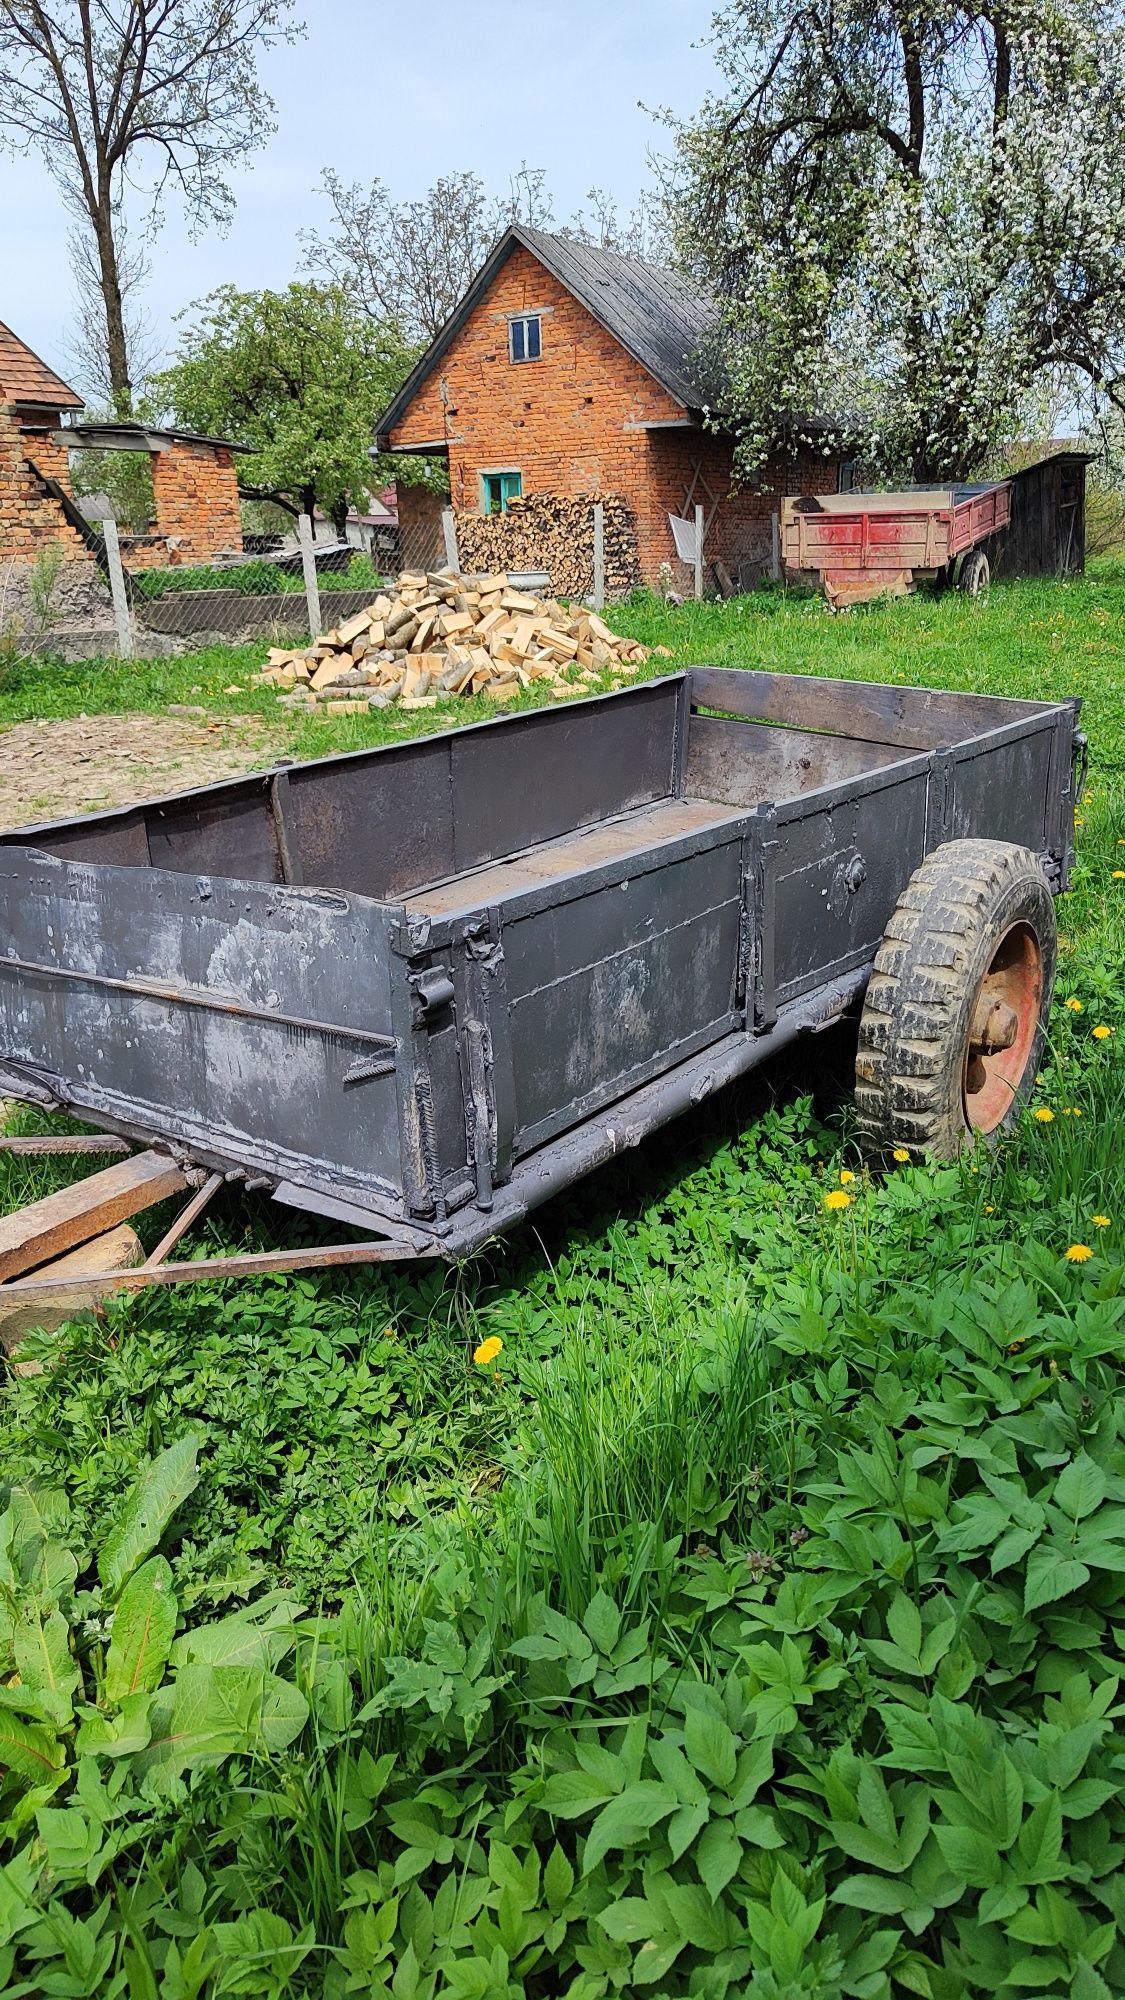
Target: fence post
point(117, 589)
point(449, 536)
point(699, 551)
point(775, 546)
point(599, 556)
point(308, 564)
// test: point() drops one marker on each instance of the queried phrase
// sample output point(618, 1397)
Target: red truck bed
point(863, 544)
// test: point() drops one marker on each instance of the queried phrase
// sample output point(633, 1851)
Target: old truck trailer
point(864, 545)
point(420, 988)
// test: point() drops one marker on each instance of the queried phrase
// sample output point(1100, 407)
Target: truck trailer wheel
point(975, 574)
point(955, 1013)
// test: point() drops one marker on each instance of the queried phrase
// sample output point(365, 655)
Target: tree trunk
point(340, 520)
point(121, 388)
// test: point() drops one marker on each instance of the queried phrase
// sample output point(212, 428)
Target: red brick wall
point(560, 420)
point(739, 515)
point(29, 519)
point(563, 422)
point(420, 539)
point(195, 490)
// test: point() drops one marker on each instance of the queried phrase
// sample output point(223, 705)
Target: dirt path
point(51, 770)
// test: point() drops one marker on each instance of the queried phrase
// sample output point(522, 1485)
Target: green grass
point(713, 1398)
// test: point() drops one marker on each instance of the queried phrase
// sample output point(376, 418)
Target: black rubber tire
point(975, 573)
point(936, 951)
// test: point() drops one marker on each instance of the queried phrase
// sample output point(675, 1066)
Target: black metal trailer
point(420, 988)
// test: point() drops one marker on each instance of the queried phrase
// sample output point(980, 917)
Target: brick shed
point(570, 369)
point(195, 488)
point(32, 400)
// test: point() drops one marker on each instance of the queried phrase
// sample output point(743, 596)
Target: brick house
point(195, 489)
point(570, 369)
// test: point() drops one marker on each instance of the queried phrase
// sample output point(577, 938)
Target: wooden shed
point(1046, 535)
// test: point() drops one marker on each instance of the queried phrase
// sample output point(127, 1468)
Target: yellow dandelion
point(1078, 1253)
point(1100, 1221)
point(488, 1350)
point(901, 1155)
point(1044, 1114)
point(837, 1199)
point(846, 1175)
point(1074, 1005)
point(988, 1208)
point(1101, 1033)
point(1079, 822)
point(1118, 875)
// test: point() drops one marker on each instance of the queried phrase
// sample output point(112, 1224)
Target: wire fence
point(279, 590)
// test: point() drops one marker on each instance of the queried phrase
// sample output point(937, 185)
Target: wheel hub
point(1002, 1028)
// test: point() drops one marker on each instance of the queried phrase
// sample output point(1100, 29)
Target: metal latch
point(431, 992)
point(1081, 763)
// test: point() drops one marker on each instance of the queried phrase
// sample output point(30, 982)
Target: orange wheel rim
point(1003, 1024)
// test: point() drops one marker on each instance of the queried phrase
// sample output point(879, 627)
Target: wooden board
point(46, 1228)
point(117, 1250)
point(907, 718)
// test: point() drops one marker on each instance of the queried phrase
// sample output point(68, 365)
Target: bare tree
point(639, 232)
point(86, 347)
point(139, 92)
point(410, 262)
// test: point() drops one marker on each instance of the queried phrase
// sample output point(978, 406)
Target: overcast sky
point(404, 92)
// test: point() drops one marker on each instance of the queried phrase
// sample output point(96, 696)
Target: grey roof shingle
point(661, 319)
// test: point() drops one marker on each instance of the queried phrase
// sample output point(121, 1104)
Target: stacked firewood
point(441, 635)
point(554, 532)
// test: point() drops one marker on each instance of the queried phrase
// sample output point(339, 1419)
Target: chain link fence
point(102, 592)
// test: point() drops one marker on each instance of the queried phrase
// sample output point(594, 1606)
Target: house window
point(845, 476)
point(523, 338)
point(497, 488)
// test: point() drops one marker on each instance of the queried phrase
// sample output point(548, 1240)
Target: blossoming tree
point(915, 217)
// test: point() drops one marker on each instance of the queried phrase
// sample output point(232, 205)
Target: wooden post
point(308, 564)
point(449, 536)
point(775, 546)
point(699, 551)
point(117, 589)
point(599, 556)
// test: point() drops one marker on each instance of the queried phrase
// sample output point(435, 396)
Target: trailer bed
point(419, 988)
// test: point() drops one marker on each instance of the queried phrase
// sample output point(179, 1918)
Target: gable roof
point(658, 317)
point(26, 379)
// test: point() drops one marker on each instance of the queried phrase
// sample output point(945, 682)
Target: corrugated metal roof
point(659, 318)
point(26, 379)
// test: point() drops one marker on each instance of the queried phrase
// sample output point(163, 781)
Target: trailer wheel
point(955, 1013)
point(975, 574)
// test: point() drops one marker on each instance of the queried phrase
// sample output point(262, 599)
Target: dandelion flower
point(488, 1350)
point(901, 1155)
point(988, 1208)
point(1118, 875)
point(837, 1199)
point(1101, 1032)
point(1100, 1221)
point(1074, 1005)
point(846, 1175)
point(1078, 1253)
point(1044, 1114)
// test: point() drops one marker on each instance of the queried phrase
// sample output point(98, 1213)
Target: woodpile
point(441, 635)
point(555, 532)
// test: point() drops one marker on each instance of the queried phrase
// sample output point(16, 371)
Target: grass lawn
point(746, 1620)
